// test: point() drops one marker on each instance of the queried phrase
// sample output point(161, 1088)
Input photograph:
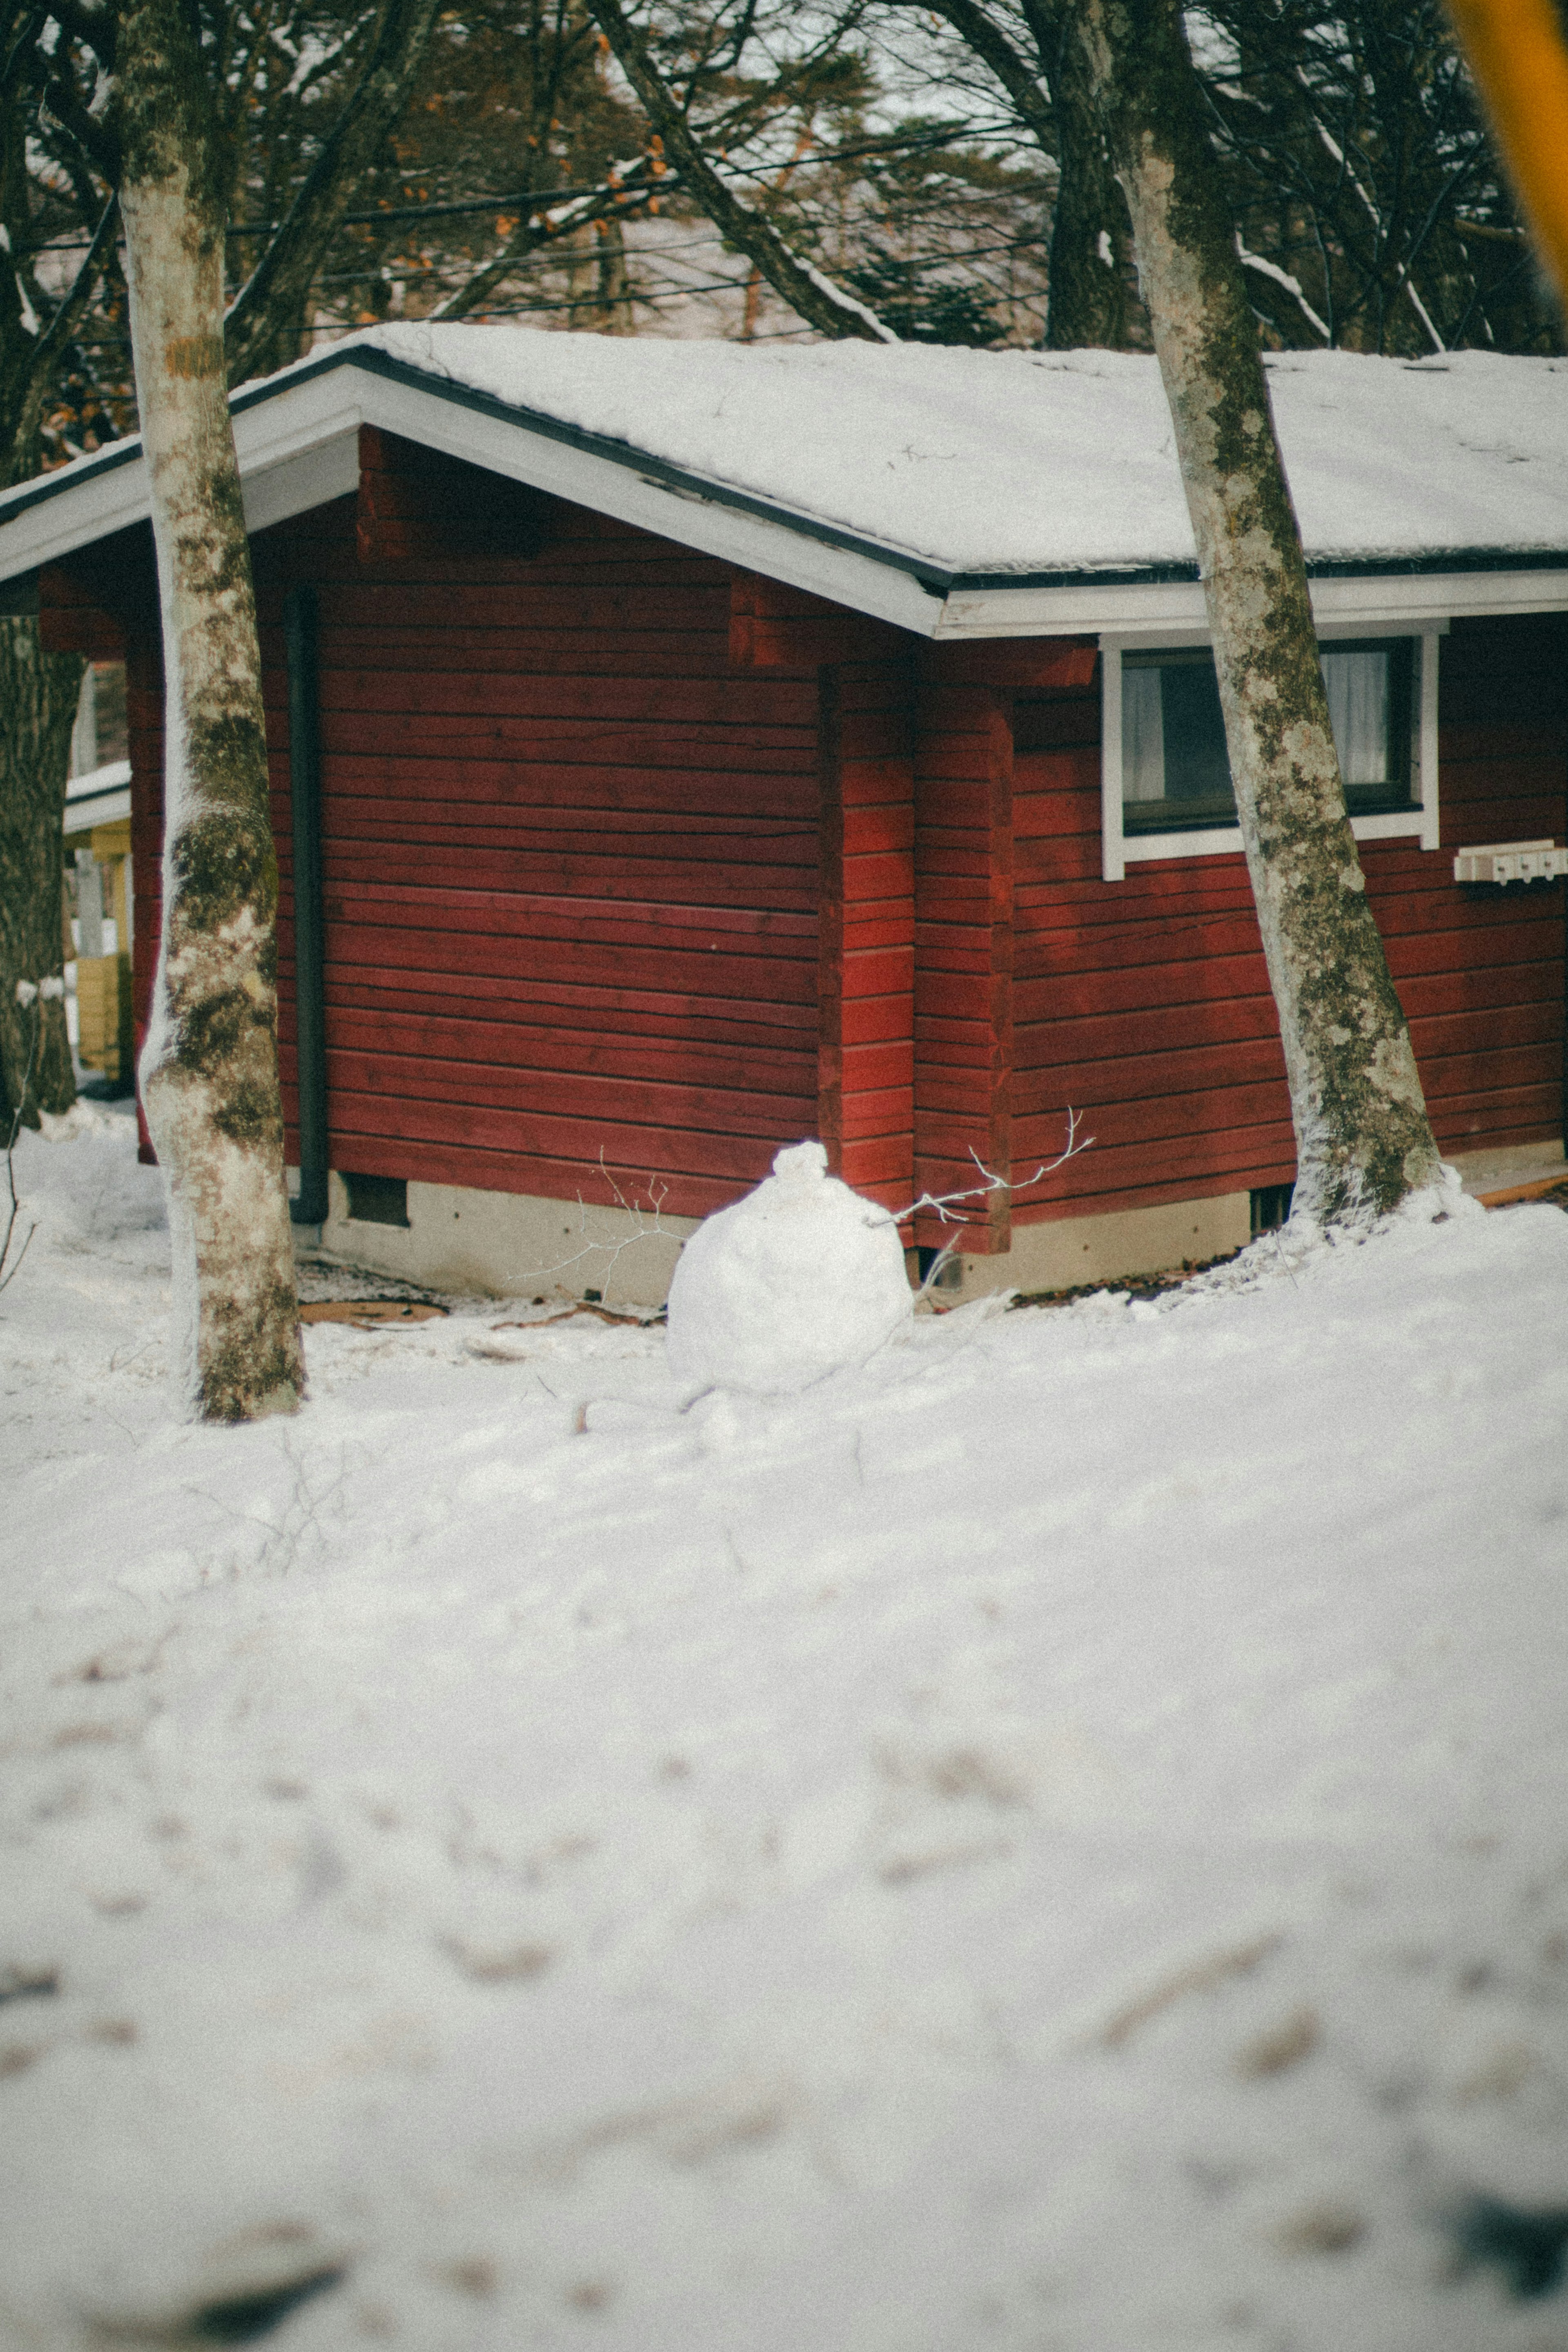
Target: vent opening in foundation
point(378, 1200)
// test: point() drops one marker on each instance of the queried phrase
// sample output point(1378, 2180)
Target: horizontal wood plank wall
point(964, 1007)
point(1481, 973)
point(570, 864)
point(866, 950)
point(1145, 1004)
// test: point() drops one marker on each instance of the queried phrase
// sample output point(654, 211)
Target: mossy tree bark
point(41, 689)
point(1362, 1139)
point(209, 1068)
point(39, 316)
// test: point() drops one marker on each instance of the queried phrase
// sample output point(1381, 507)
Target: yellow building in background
point(104, 1040)
point(98, 861)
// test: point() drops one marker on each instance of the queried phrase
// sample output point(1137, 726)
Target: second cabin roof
point(956, 492)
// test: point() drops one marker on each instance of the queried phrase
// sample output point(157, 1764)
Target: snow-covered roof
point(958, 492)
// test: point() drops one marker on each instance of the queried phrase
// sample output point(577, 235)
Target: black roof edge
point(661, 474)
point(1328, 567)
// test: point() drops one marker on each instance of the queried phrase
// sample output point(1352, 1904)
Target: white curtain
point(1358, 711)
point(1143, 735)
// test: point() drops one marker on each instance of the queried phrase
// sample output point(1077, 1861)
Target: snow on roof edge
point(1076, 423)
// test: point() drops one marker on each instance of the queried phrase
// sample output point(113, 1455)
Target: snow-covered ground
point(1057, 1839)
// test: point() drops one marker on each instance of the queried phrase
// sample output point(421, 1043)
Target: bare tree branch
point(815, 297)
point(262, 316)
point(57, 334)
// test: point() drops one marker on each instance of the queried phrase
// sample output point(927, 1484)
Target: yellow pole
point(1516, 51)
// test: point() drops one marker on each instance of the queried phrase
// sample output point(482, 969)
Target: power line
point(645, 298)
point(529, 199)
point(652, 257)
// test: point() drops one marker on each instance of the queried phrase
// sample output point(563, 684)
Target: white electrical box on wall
point(1510, 861)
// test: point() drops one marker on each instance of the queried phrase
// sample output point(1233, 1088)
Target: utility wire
point(529, 199)
point(652, 257)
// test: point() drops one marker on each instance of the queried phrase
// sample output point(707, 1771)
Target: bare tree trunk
point(38, 693)
point(613, 316)
point(1363, 1139)
point(263, 326)
point(209, 1070)
point(1086, 299)
point(262, 332)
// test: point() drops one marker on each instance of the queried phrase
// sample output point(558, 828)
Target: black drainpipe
point(309, 1206)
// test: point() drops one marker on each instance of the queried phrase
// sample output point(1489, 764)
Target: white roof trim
point(295, 437)
point(1385, 599)
point(107, 808)
point(97, 796)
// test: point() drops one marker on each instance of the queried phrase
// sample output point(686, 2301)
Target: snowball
point(800, 1279)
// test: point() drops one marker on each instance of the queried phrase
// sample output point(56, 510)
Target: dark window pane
point(1196, 767)
point(1175, 774)
point(1373, 723)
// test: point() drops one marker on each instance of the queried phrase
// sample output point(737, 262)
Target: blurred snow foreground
point(1057, 1837)
point(800, 1279)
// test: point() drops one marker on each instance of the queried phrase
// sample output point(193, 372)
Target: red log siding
point(866, 1054)
point(572, 885)
point(1145, 1004)
point(571, 867)
point(964, 917)
point(1481, 972)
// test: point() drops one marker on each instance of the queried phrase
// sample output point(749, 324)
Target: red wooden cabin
point(667, 816)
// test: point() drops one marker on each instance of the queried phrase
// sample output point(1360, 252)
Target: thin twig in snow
point(655, 1229)
point(945, 1204)
point(941, 1203)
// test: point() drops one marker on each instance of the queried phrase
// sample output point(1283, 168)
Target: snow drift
point(1056, 1837)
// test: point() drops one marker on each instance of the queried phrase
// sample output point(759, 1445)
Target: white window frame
point(1122, 849)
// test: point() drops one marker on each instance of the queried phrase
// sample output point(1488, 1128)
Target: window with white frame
point(1167, 789)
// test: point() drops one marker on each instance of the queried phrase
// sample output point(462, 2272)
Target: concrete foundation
point(1058, 1255)
point(511, 1245)
point(1518, 1163)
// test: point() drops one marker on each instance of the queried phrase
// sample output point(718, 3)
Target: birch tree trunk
point(38, 692)
point(209, 1068)
point(1363, 1139)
